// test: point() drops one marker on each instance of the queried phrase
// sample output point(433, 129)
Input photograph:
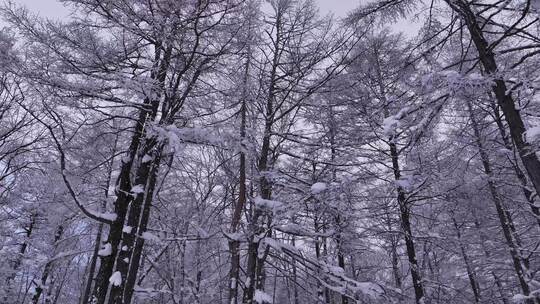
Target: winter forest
point(266, 151)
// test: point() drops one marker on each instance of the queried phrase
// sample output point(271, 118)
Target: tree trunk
point(120, 208)
point(255, 268)
point(529, 195)
point(234, 243)
point(90, 281)
point(488, 255)
point(394, 254)
point(471, 274)
point(123, 192)
point(504, 97)
point(404, 207)
point(320, 289)
point(519, 262)
point(135, 258)
point(131, 233)
point(341, 263)
point(18, 260)
point(48, 266)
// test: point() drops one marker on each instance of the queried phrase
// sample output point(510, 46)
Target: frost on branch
point(177, 138)
point(105, 250)
point(318, 188)
point(150, 237)
point(127, 229)
point(533, 134)
point(106, 216)
point(265, 204)
point(391, 123)
point(456, 82)
point(116, 279)
point(137, 189)
point(330, 276)
point(262, 297)
point(535, 6)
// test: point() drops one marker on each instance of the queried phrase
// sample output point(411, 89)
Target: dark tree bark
point(254, 266)
point(502, 94)
point(121, 204)
point(527, 193)
point(403, 204)
point(239, 206)
point(135, 258)
point(47, 269)
point(90, 280)
point(471, 274)
point(18, 260)
point(405, 213)
point(518, 258)
point(125, 198)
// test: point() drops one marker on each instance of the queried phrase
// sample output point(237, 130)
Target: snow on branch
point(177, 137)
point(332, 277)
point(105, 218)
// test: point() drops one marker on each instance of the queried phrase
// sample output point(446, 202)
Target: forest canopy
point(250, 151)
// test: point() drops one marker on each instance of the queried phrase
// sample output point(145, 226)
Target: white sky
point(53, 8)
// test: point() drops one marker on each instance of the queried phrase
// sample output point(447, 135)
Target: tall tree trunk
point(18, 260)
point(90, 280)
point(130, 231)
point(483, 240)
point(234, 243)
point(47, 269)
point(341, 263)
point(404, 207)
point(255, 265)
point(239, 206)
point(529, 195)
point(520, 263)
point(338, 220)
point(502, 94)
point(471, 274)
point(135, 258)
point(121, 204)
point(393, 252)
point(295, 275)
point(405, 211)
point(320, 288)
point(124, 196)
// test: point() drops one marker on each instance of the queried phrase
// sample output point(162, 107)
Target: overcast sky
point(53, 8)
